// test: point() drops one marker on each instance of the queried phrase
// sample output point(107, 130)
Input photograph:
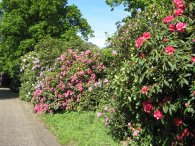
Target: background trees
point(134, 6)
point(24, 23)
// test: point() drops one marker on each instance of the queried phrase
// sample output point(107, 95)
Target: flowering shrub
point(153, 90)
point(30, 67)
point(62, 86)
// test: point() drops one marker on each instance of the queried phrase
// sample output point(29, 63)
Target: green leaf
point(187, 75)
point(165, 109)
point(166, 83)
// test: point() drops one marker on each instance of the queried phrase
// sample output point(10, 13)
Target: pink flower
point(169, 50)
point(194, 92)
point(158, 114)
point(179, 4)
point(36, 107)
point(90, 88)
point(63, 87)
point(99, 114)
point(186, 104)
point(178, 122)
point(135, 133)
point(80, 87)
point(89, 71)
point(147, 106)
point(164, 40)
point(93, 76)
point(193, 59)
point(68, 93)
point(172, 27)
point(178, 12)
point(139, 42)
point(114, 52)
point(89, 61)
point(106, 121)
point(180, 26)
point(88, 52)
point(51, 111)
point(146, 35)
point(168, 19)
point(142, 55)
point(185, 132)
point(179, 137)
point(145, 89)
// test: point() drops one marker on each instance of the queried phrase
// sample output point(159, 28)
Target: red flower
point(180, 137)
point(194, 92)
point(142, 55)
point(186, 104)
point(185, 132)
point(139, 42)
point(172, 27)
point(164, 40)
point(178, 12)
point(169, 50)
point(145, 89)
point(179, 4)
point(180, 26)
point(168, 19)
point(147, 106)
point(193, 59)
point(158, 114)
point(146, 35)
point(178, 121)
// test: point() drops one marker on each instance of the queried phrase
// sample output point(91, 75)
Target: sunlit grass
point(79, 129)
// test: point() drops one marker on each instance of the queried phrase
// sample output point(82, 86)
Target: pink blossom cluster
point(140, 40)
point(148, 107)
point(36, 64)
point(136, 131)
point(184, 133)
point(73, 74)
point(145, 89)
point(180, 26)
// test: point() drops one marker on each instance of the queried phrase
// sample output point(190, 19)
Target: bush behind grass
point(79, 129)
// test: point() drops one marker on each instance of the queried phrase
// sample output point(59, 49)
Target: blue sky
point(100, 18)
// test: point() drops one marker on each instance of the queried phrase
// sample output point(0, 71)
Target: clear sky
point(100, 17)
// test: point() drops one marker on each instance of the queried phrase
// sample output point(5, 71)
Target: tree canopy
point(24, 23)
point(134, 5)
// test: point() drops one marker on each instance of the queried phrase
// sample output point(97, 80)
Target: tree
point(134, 5)
point(24, 23)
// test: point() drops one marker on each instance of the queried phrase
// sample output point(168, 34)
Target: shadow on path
point(6, 93)
point(18, 125)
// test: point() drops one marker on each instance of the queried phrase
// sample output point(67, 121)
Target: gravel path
point(18, 125)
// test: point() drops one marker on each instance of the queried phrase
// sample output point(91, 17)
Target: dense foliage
point(143, 84)
point(24, 23)
point(135, 6)
point(45, 54)
point(153, 89)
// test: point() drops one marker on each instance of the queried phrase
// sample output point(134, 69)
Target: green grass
point(79, 129)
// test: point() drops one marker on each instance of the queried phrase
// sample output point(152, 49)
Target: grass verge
point(79, 129)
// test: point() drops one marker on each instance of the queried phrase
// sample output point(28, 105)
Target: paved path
point(18, 125)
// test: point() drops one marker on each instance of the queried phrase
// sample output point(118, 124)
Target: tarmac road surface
point(19, 126)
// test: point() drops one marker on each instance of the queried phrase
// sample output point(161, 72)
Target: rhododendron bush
point(153, 90)
point(30, 68)
point(62, 86)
